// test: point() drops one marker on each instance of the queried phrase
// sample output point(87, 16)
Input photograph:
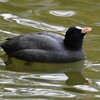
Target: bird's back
point(42, 41)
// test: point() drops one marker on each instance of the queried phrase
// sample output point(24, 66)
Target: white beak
point(86, 29)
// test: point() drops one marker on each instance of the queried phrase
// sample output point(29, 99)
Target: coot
point(47, 46)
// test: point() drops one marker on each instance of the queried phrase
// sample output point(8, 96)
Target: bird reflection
point(75, 79)
point(72, 70)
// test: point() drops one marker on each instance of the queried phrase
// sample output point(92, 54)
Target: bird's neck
point(73, 45)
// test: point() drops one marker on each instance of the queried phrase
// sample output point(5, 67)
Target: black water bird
point(47, 46)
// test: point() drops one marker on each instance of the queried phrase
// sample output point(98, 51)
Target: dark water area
point(50, 81)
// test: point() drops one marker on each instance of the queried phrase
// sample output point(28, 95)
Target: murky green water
point(39, 81)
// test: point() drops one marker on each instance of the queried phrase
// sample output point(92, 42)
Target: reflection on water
point(45, 81)
point(66, 77)
point(32, 23)
point(62, 13)
point(4, 0)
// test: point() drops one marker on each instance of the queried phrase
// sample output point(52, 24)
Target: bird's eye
point(75, 31)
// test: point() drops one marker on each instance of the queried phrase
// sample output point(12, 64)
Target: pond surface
point(80, 80)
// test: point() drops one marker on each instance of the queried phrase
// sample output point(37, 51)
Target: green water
point(76, 81)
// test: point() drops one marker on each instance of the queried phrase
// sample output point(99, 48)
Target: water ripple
point(33, 23)
point(86, 88)
point(4, 0)
point(93, 66)
point(9, 33)
point(62, 13)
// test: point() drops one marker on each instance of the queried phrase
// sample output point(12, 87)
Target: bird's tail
point(1, 44)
